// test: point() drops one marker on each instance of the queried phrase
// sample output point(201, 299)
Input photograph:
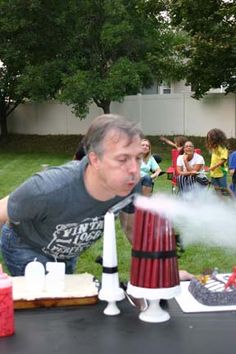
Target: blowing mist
point(202, 217)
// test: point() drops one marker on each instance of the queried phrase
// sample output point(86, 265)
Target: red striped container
point(154, 262)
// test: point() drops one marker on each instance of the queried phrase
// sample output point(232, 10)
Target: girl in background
point(216, 142)
point(149, 169)
point(177, 144)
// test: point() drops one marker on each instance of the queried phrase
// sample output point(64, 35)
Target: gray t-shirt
point(53, 212)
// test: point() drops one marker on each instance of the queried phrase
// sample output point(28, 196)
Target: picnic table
point(86, 330)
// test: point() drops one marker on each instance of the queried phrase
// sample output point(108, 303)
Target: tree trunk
point(106, 107)
point(3, 120)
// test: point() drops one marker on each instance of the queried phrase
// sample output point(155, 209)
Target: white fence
point(168, 114)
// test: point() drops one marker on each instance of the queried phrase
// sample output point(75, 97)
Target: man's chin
point(124, 193)
point(126, 189)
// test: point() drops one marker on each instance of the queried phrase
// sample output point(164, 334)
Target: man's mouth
point(132, 183)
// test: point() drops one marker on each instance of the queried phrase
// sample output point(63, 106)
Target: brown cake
point(211, 291)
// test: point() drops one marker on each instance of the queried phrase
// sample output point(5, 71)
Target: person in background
point(216, 142)
point(188, 166)
point(177, 144)
point(80, 151)
point(157, 157)
point(149, 169)
point(232, 171)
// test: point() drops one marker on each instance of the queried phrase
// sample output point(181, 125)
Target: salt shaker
point(7, 327)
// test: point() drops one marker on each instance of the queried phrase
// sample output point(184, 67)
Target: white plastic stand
point(110, 288)
point(154, 313)
point(111, 292)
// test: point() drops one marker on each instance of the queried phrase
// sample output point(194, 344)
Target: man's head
point(113, 146)
point(104, 124)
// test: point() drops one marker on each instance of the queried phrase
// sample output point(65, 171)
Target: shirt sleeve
point(199, 160)
point(27, 201)
point(179, 161)
point(223, 153)
point(154, 164)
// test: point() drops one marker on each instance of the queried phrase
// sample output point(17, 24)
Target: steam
point(201, 217)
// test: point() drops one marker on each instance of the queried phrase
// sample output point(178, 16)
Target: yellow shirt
point(218, 154)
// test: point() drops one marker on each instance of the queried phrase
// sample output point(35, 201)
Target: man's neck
point(95, 186)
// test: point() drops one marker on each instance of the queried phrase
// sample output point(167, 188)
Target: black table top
point(86, 330)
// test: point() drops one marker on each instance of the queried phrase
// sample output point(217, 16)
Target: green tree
point(119, 47)
point(83, 51)
point(211, 51)
point(30, 62)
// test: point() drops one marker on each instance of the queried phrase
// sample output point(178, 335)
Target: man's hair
point(102, 125)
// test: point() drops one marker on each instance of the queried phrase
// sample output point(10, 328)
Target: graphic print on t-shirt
point(70, 240)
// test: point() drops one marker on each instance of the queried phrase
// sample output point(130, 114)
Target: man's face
point(119, 166)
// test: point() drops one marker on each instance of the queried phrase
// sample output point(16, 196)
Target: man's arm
point(127, 223)
point(3, 210)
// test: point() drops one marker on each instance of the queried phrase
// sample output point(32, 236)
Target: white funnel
point(110, 288)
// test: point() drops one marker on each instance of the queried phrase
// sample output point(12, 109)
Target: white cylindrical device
point(110, 288)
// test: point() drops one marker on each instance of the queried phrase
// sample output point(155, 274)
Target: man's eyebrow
point(122, 154)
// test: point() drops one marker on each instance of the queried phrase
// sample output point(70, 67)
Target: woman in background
point(149, 169)
point(188, 166)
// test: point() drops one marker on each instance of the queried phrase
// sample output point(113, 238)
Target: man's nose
point(134, 166)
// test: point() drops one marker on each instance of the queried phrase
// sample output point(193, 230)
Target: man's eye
point(123, 159)
point(139, 159)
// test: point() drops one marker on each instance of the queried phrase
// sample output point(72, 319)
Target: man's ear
point(94, 160)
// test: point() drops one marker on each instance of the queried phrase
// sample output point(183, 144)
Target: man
point(58, 213)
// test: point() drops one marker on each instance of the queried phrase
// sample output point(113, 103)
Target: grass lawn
point(22, 156)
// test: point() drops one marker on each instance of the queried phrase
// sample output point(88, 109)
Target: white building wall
point(215, 111)
point(180, 87)
point(169, 114)
point(162, 114)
